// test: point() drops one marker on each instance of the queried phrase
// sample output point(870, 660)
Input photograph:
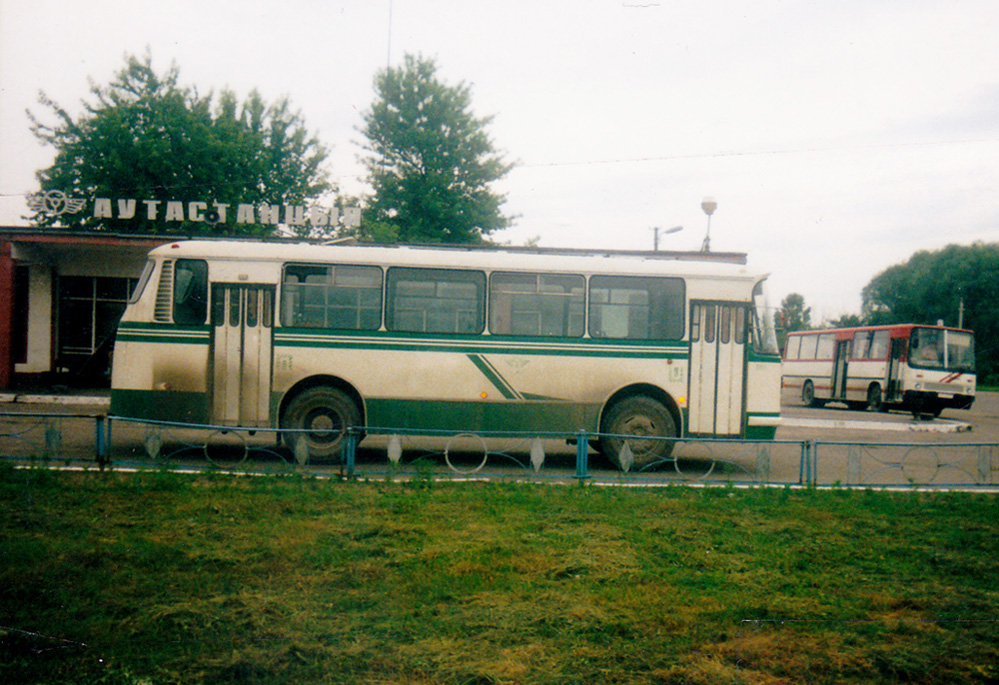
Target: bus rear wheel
point(326, 414)
point(874, 400)
point(642, 417)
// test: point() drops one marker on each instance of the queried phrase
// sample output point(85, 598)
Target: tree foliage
point(956, 282)
point(145, 136)
point(793, 315)
point(430, 161)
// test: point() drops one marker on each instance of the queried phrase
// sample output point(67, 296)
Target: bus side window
point(535, 304)
point(808, 345)
point(637, 307)
point(861, 341)
point(435, 300)
point(340, 297)
point(793, 347)
point(826, 347)
point(190, 291)
point(879, 346)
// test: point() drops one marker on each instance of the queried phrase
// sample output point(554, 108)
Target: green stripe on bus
point(490, 372)
point(479, 416)
point(160, 405)
point(483, 346)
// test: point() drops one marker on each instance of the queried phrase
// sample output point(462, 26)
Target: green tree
point(793, 315)
point(958, 285)
point(847, 321)
point(144, 136)
point(430, 161)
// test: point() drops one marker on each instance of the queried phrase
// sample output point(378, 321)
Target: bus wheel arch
point(645, 410)
point(326, 404)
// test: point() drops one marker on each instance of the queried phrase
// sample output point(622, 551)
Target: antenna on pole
point(709, 206)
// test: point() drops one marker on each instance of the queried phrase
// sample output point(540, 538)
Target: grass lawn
point(166, 578)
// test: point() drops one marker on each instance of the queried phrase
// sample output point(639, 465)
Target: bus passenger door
point(839, 370)
point(893, 387)
point(242, 323)
point(716, 396)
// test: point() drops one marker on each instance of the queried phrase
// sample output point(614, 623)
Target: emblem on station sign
point(54, 203)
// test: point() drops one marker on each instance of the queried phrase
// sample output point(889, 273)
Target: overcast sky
point(837, 137)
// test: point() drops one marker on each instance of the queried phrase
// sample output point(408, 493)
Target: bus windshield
point(764, 333)
point(932, 348)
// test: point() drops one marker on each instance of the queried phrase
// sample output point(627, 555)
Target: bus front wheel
point(319, 417)
point(808, 395)
point(642, 417)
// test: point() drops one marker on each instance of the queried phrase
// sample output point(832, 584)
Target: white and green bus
point(319, 338)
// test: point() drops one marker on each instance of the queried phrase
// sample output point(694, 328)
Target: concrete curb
point(934, 426)
point(13, 398)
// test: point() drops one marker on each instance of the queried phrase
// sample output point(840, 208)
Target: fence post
point(807, 470)
point(582, 453)
point(100, 449)
point(349, 448)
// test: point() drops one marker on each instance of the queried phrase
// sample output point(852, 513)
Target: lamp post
point(656, 232)
point(709, 206)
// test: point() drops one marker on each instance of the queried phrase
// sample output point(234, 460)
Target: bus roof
point(897, 329)
point(704, 264)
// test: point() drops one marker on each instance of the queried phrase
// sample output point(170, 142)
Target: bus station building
point(61, 295)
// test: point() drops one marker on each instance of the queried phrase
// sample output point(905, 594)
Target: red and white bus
point(922, 369)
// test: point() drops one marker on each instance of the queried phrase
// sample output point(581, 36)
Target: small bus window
point(435, 301)
point(861, 343)
point(536, 304)
point(793, 347)
point(190, 291)
point(726, 324)
point(636, 308)
point(879, 345)
point(826, 347)
point(808, 344)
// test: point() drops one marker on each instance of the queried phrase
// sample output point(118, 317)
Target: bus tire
point(327, 413)
point(808, 396)
point(638, 415)
point(874, 399)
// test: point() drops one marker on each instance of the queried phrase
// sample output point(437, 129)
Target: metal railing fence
point(102, 441)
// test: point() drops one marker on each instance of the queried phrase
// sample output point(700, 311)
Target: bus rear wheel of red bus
point(326, 413)
point(639, 416)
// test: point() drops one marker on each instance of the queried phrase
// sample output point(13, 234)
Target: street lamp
point(709, 206)
point(657, 230)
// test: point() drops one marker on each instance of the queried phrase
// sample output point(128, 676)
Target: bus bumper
point(926, 400)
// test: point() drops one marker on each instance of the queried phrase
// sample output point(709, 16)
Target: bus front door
point(240, 375)
point(717, 393)
point(839, 370)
